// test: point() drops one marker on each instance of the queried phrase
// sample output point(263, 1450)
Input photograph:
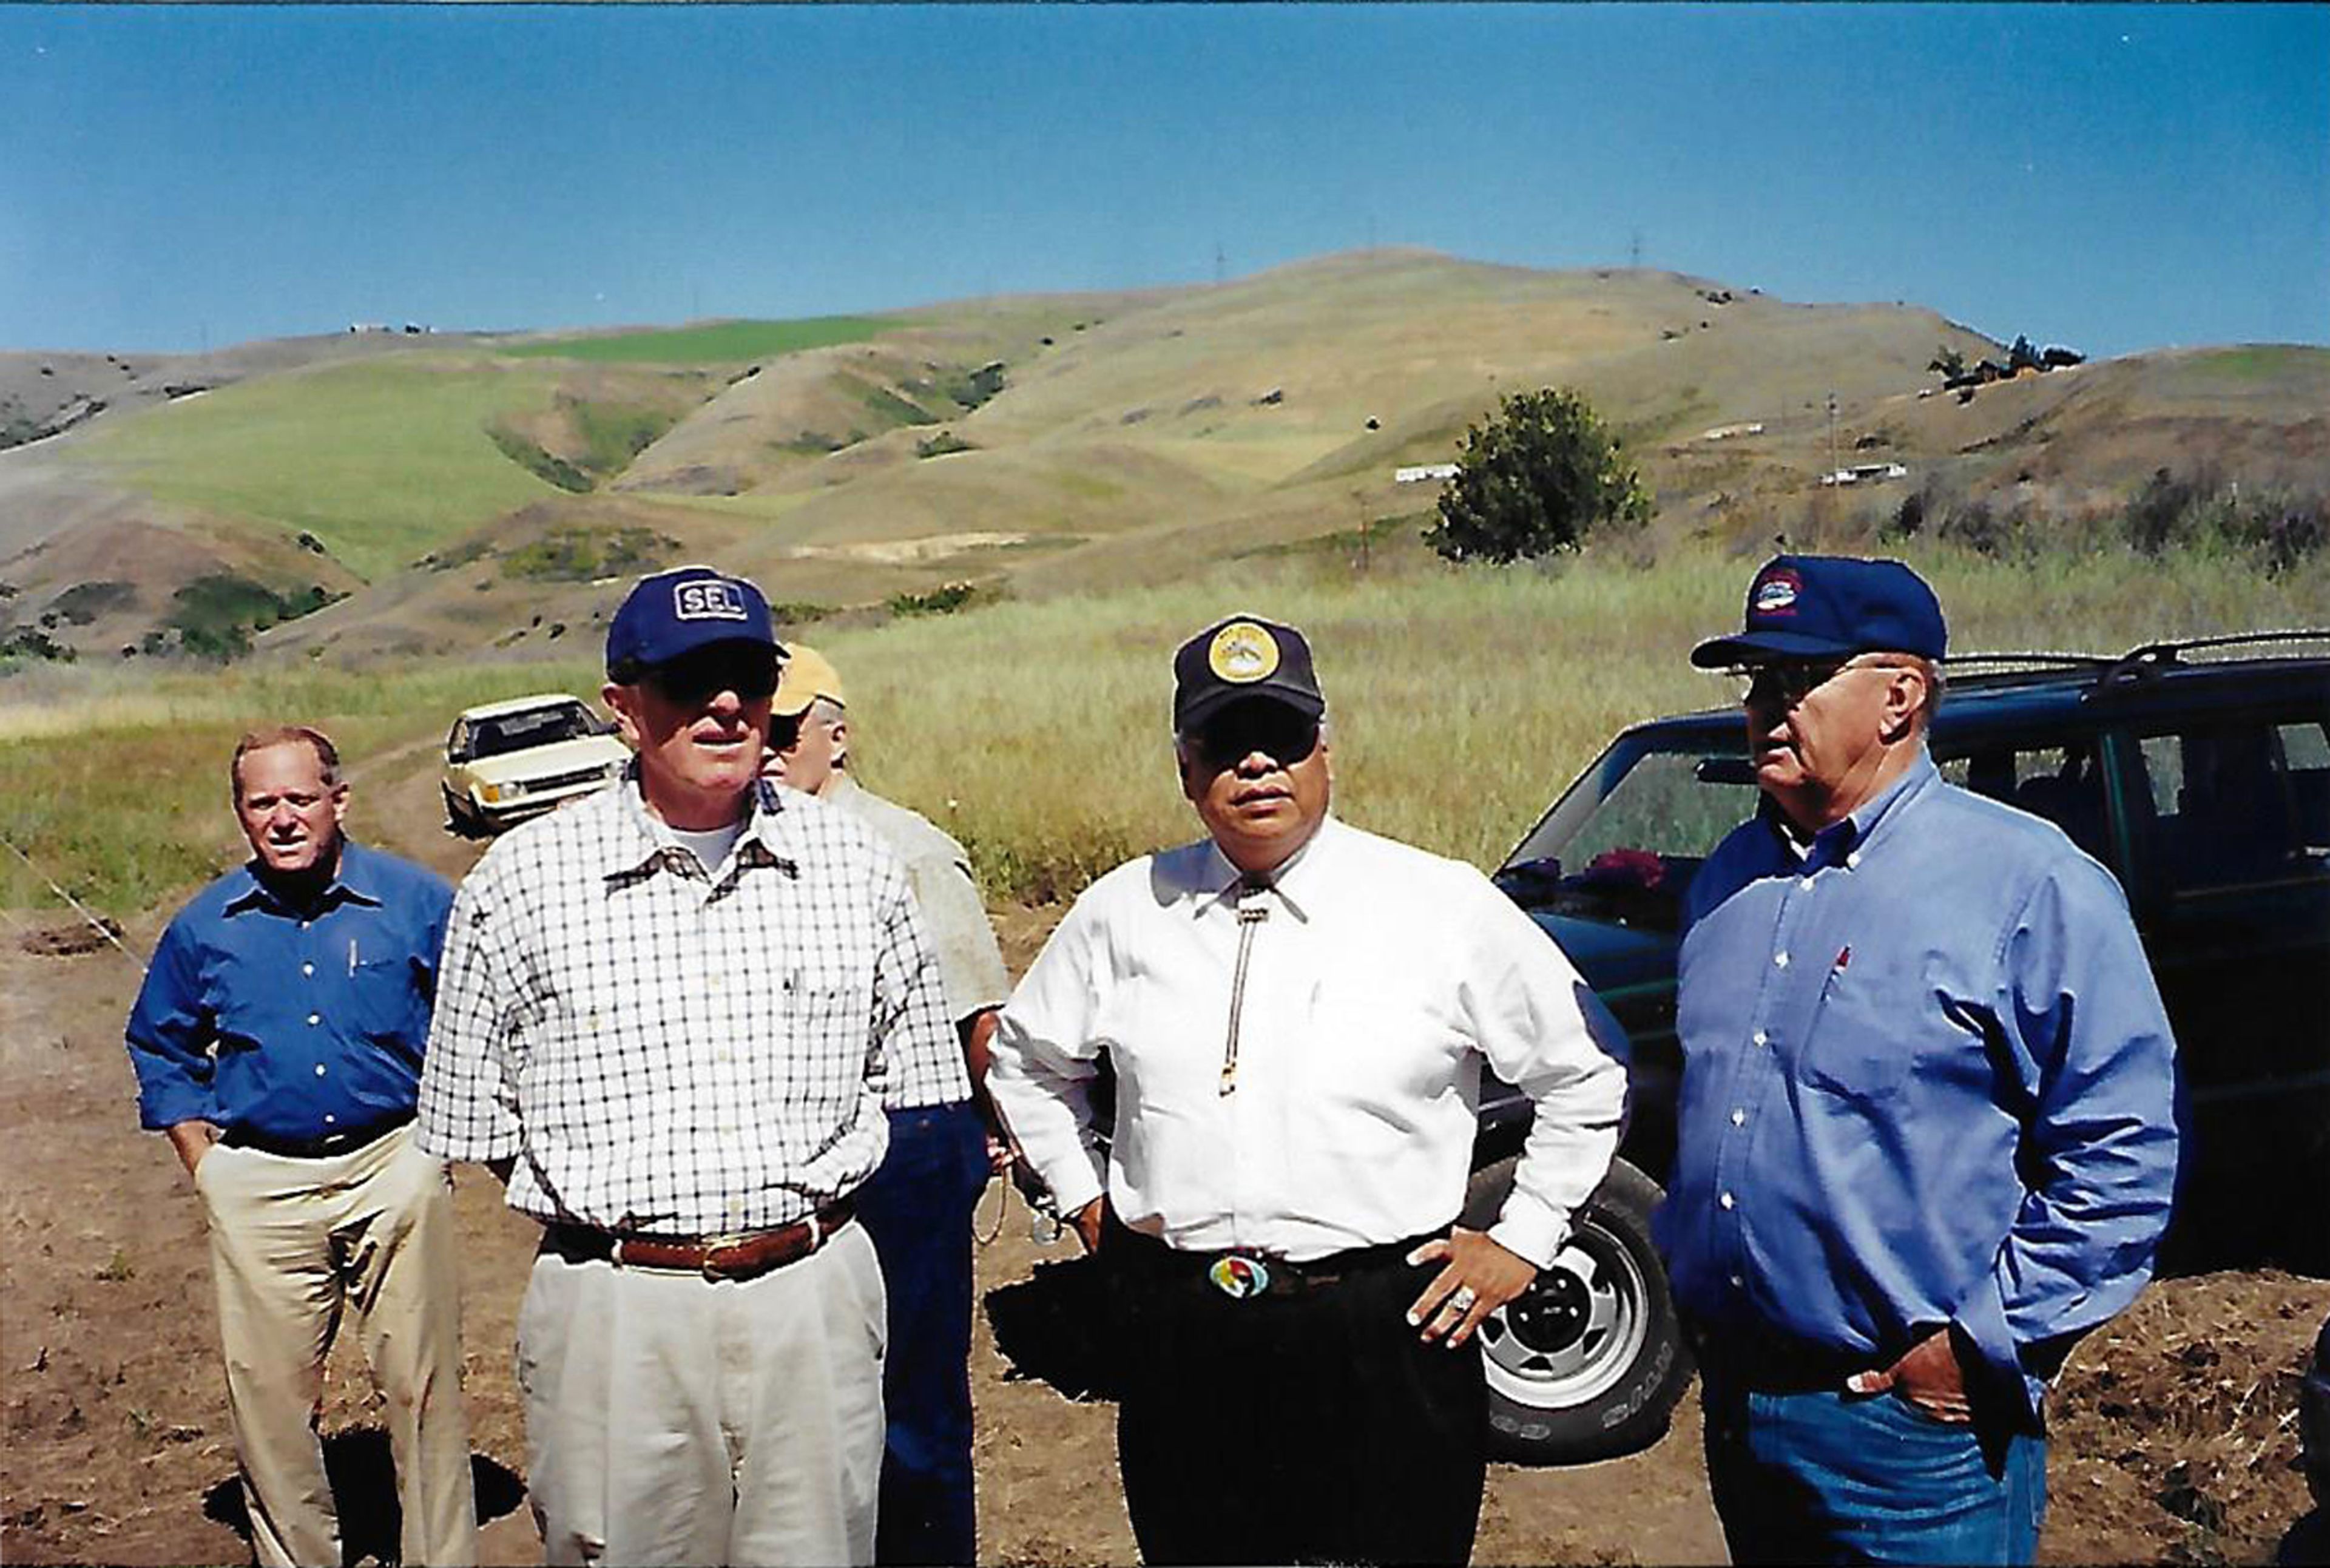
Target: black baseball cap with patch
point(1242, 657)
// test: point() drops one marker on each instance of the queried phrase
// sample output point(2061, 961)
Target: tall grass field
point(1462, 701)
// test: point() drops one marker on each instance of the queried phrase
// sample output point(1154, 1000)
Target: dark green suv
point(2199, 773)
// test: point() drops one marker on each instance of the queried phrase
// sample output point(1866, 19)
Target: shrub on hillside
point(542, 465)
point(83, 603)
point(1537, 476)
point(2276, 529)
point(25, 644)
point(942, 443)
point(614, 434)
point(213, 616)
point(587, 555)
point(942, 600)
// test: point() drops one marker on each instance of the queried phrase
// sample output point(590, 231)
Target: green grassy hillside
point(707, 343)
point(379, 461)
point(1063, 444)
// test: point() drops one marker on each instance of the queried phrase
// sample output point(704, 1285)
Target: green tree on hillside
point(1537, 476)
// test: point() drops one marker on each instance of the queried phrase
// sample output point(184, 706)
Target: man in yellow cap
point(918, 1205)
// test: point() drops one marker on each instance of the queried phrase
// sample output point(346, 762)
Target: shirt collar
point(643, 841)
point(1296, 882)
point(1845, 841)
point(356, 880)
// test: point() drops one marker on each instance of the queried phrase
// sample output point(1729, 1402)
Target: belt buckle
point(711, 1268)
point(1238, 1276)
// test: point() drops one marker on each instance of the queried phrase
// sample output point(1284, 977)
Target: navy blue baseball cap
point(1242, 657)
point(677, 612)
point(1831, 607)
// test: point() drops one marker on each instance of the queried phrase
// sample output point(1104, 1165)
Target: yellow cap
point(807, 677)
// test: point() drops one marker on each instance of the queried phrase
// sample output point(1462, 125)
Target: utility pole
point(1217, 261)
point(1634, 254)
point(1832, 435)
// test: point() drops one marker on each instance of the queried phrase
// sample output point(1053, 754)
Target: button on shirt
point(672, 1050)
point(1298, 1066)
point(1927, 1078)
point(294, 1024)
point(954, 922)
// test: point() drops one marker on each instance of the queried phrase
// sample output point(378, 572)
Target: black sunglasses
point(1790, 681)
point(694, 678)
point(1281, 733)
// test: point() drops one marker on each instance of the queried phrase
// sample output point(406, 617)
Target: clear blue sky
point(2113, 177)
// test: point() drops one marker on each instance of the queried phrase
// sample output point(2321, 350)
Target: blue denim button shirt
point(1927, 1078)
point(293, 1025)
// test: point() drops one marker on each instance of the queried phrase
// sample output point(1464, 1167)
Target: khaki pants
point(294, 1242)
point(674, 1419)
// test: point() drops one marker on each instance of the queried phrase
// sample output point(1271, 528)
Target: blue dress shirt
point(1926, 1079)
point(292, 1024)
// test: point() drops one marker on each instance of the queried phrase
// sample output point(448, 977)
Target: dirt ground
point(2175, 1432)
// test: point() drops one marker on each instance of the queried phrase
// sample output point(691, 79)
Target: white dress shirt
point(1328, 1101)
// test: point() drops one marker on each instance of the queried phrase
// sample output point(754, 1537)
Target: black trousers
point(1306, 1424)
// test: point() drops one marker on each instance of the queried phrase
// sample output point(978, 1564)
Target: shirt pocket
point(828, 1030)
point(382, 1000)
point(1855, 1047)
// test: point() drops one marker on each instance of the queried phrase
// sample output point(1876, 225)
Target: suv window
point(2237, 805)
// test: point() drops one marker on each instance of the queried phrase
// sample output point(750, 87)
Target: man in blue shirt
point(1927, 1135)
point(278, 1042)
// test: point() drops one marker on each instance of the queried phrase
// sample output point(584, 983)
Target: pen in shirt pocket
point(1836, 968)
point(352, 958)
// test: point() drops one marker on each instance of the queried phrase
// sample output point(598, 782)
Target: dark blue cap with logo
point(677, 612)
point(1831, 607)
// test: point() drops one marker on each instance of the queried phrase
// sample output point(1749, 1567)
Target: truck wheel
point(1589, 1362)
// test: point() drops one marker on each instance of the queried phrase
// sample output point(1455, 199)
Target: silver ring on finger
point(1463, 1299)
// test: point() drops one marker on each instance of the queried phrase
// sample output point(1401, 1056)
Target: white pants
point(674, 1419)
point(293, 1244)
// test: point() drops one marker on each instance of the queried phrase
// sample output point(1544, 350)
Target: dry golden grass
point(1036, 731)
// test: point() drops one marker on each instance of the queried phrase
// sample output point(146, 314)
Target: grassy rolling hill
point(472, 495)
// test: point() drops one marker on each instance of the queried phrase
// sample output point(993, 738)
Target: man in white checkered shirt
point(665, 1014)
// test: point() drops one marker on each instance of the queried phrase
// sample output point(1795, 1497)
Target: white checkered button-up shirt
point(670, 1050)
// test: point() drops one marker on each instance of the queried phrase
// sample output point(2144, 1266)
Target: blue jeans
point(918, 1209)
point(1839, 1478)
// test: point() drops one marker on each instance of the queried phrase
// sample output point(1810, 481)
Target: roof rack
point(2143, 663)
point(1979, 663)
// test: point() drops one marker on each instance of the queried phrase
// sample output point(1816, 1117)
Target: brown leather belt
point(747, 1256)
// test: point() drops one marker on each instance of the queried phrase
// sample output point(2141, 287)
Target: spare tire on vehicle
point(1589, 1362)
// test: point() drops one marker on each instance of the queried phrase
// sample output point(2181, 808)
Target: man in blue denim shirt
point(278, 1042)
point(1927, 1134)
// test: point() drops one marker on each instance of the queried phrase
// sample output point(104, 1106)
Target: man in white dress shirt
point(1297, 1014)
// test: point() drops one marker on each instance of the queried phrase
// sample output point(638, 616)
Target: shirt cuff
point(1981, 1318)
point(1530, 1228)
point(1074, 1181)
point(161, 1109)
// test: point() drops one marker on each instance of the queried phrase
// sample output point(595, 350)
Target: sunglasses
point(1277, 731)
point(696, 678)
point(1789, 682)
